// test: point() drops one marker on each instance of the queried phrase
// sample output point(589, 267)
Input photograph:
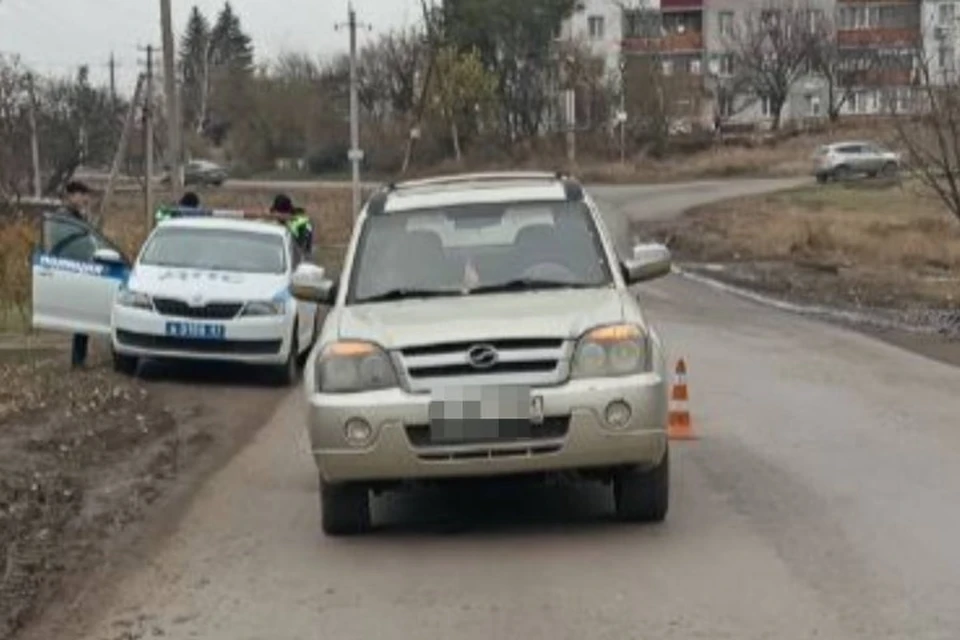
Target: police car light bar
point(203, 212)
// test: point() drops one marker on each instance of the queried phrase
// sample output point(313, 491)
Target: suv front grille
point(552, 428)
point(211, 311)
point(535, 361)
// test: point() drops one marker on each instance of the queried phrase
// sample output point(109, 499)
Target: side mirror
point(648, 262)
point(310, 284)
point(107, 256)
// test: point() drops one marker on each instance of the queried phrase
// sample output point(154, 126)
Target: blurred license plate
point(196, 330)
point(478, 414)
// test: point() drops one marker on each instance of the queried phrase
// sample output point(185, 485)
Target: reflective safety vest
point(301, 228)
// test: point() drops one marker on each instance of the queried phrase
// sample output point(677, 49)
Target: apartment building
point(692, 40)
point(885, 36)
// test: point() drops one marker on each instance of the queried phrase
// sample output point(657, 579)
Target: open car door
point(76, 274)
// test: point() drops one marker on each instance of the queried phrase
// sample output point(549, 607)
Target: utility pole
point(34, 139)
point(113, 80)
point(173, 106)
point(148, 140)
point(355, 154)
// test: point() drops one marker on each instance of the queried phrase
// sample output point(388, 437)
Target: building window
point(725, 23)
point(726, 65)
point(946, 12)
point(766, 109)
point(815, 20)
point(595, 26)
point(694, 66)
point(642, 24)
point(726, 105)
point(945, 57)
point(668, 67)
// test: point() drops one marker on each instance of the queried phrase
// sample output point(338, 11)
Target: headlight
point(134, 299)
point(264, 308)
point(347, 367)
point(614, 350)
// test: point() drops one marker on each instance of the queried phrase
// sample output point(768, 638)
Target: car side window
point(72, 239)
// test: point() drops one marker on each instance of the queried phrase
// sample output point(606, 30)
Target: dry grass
point(886, 241)
point(125, 223)
point(784, 157)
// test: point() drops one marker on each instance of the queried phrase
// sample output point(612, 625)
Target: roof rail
point(377, 202)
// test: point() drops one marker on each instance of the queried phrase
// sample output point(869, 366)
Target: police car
point(207, 285)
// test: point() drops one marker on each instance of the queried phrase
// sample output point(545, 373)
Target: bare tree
point(927, 127)
point(844, 69)
point(14, 130)
point(770, 46)
point(732, 94)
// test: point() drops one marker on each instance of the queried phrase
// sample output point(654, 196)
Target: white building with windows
point(598, 24)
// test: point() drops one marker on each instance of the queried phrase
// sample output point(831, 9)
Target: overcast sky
point(55, 36)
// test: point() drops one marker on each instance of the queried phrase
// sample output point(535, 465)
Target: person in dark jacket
point(76, 200)
point(297, 221)
point(76, 203)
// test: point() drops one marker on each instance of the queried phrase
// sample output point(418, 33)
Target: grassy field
point(883, 244)
point(125, 223)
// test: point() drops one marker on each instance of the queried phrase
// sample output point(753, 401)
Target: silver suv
point(843, 160)
point(483, 326)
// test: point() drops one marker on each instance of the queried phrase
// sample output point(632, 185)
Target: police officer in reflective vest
point(297, 221)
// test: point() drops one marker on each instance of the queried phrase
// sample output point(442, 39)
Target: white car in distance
point(204, 287)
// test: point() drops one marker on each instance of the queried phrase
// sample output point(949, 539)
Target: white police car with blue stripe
point(204, 287)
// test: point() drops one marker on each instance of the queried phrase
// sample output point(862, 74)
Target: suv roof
point(511, 186)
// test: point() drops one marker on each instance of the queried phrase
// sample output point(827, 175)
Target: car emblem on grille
point(196, 301)
point(482, 356)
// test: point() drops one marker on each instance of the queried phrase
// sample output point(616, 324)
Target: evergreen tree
point(195, 62)
point(232, 48)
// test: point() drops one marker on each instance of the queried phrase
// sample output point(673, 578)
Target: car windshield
point(216, 249)
point(477, 249)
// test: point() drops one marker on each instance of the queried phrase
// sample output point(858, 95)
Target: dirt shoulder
point(885, 253)
point(90, 460)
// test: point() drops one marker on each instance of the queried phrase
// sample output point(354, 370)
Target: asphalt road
point(820, 502)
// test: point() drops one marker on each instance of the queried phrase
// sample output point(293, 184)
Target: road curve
point(820, 502)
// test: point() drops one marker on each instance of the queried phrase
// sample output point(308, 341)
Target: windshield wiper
point(410, 292)
point(529, 284)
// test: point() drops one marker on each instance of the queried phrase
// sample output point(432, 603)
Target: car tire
point(889, 170)
point(125, 365)
point(288, 373)
point(842, 173)
point(643, 496)
point(344, 509)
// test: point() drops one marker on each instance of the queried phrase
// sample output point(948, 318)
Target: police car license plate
point(196, 330)
point(479, 414)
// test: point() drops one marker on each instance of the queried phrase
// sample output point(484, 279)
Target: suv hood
point(188, 284)
point(559, 314)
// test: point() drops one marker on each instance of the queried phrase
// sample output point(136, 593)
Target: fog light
point(618, 414)
point(358, 431)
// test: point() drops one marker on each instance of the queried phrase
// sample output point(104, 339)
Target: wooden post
point(148, 141)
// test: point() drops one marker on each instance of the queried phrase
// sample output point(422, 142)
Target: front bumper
point(575, 435)
point(260, 340)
